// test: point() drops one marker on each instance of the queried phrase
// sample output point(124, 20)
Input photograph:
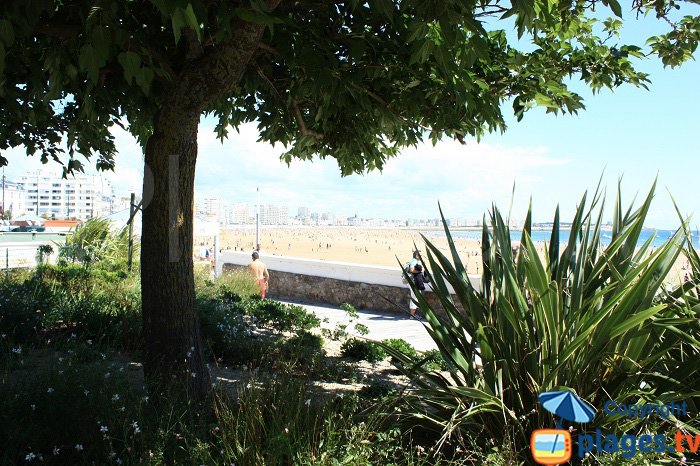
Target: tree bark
point(173, 353)
point(173, 349)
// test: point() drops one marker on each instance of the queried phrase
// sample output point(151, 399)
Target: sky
point(631, 133)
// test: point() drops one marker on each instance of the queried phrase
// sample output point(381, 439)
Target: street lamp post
point(257, 220)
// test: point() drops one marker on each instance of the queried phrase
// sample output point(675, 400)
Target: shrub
point(433, 360)
point(302, 353)
point(399, 344)
point(582, 317)
point(358, 350)
point(94, 241)
point(279, 316)
point(378, 389)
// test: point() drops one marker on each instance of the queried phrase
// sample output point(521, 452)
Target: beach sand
point(379, 246)
point(368, 246)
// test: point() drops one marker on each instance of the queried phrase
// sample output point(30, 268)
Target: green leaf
point(131, 63)
point(144, 79)
point(101, 39)
point(191, 21)
point(89, 62)
point(7, 33)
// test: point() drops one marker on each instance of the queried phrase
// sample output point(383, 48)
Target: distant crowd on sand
point(367, 246)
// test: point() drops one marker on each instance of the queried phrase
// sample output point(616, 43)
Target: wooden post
point(131, 230)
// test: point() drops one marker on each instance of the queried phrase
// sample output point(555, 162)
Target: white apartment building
point(80, 196)
point(272, 214)
point(13, 198)
point(238, 214)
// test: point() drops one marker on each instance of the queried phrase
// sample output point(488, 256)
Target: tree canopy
point(354, 80)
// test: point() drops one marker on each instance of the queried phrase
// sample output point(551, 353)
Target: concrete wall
point(317, 281)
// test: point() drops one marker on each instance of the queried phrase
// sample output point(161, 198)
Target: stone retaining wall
point(313, 289)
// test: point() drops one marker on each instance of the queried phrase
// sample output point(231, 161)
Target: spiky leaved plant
point(579, 316)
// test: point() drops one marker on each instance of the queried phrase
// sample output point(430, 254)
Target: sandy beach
point(369, 246)
point(380, 246)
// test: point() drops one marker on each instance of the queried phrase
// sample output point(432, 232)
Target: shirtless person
point(259, 271)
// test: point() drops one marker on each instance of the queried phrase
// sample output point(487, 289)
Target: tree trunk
point(173, 352)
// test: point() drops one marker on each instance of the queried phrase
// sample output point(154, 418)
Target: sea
point(544, 236)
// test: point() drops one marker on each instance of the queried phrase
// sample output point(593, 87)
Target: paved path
point(381, 325)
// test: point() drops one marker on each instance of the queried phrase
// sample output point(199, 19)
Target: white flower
point(119, 461)
point(49, 390)
point(194, 375)
point(135, 426)
point(56, 451)
point(145, 399)
point(73, 335)
point(115, 397)
point(30, 457)
point(60, 372)
point(89, 342)
point(87, 392)
point(17, 350)
point(103, 429)
point(189, 354)
point(286, 430)
point(107, 375)
point(33, 407)
point(79, 446)
point(308, 402)
point(60, 359)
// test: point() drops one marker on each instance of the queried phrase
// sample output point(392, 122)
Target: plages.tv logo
point(550, 447)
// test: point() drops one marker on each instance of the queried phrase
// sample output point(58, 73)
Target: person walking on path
point(258, 269)
point(413, 270)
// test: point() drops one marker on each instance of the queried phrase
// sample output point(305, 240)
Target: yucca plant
point(577, 315)
point(94, 241)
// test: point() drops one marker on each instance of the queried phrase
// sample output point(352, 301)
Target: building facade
point(13, 199)
point(79, 197)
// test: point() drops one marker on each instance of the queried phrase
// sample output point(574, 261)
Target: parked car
point(29, 228)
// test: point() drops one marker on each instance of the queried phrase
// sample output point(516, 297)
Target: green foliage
point(583, 317)
point(43, 252)
point(279, 316)
point(57, 302)
point(301, 354)
point(399, 344)
point(378, 389)
point(358, 350)
point(94, 241)
point(433, 360)
point(71, 71)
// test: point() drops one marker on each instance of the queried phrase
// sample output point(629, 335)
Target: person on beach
point(258, 269)
point(413, 269)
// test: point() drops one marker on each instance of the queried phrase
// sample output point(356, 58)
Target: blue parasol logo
point(567, 405)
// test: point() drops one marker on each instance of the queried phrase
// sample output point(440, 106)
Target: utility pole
point(37, 193)
point(131, 231)
point(3, 192)
point(133, 210)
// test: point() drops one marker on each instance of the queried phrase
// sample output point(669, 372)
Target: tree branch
point(300, 121)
